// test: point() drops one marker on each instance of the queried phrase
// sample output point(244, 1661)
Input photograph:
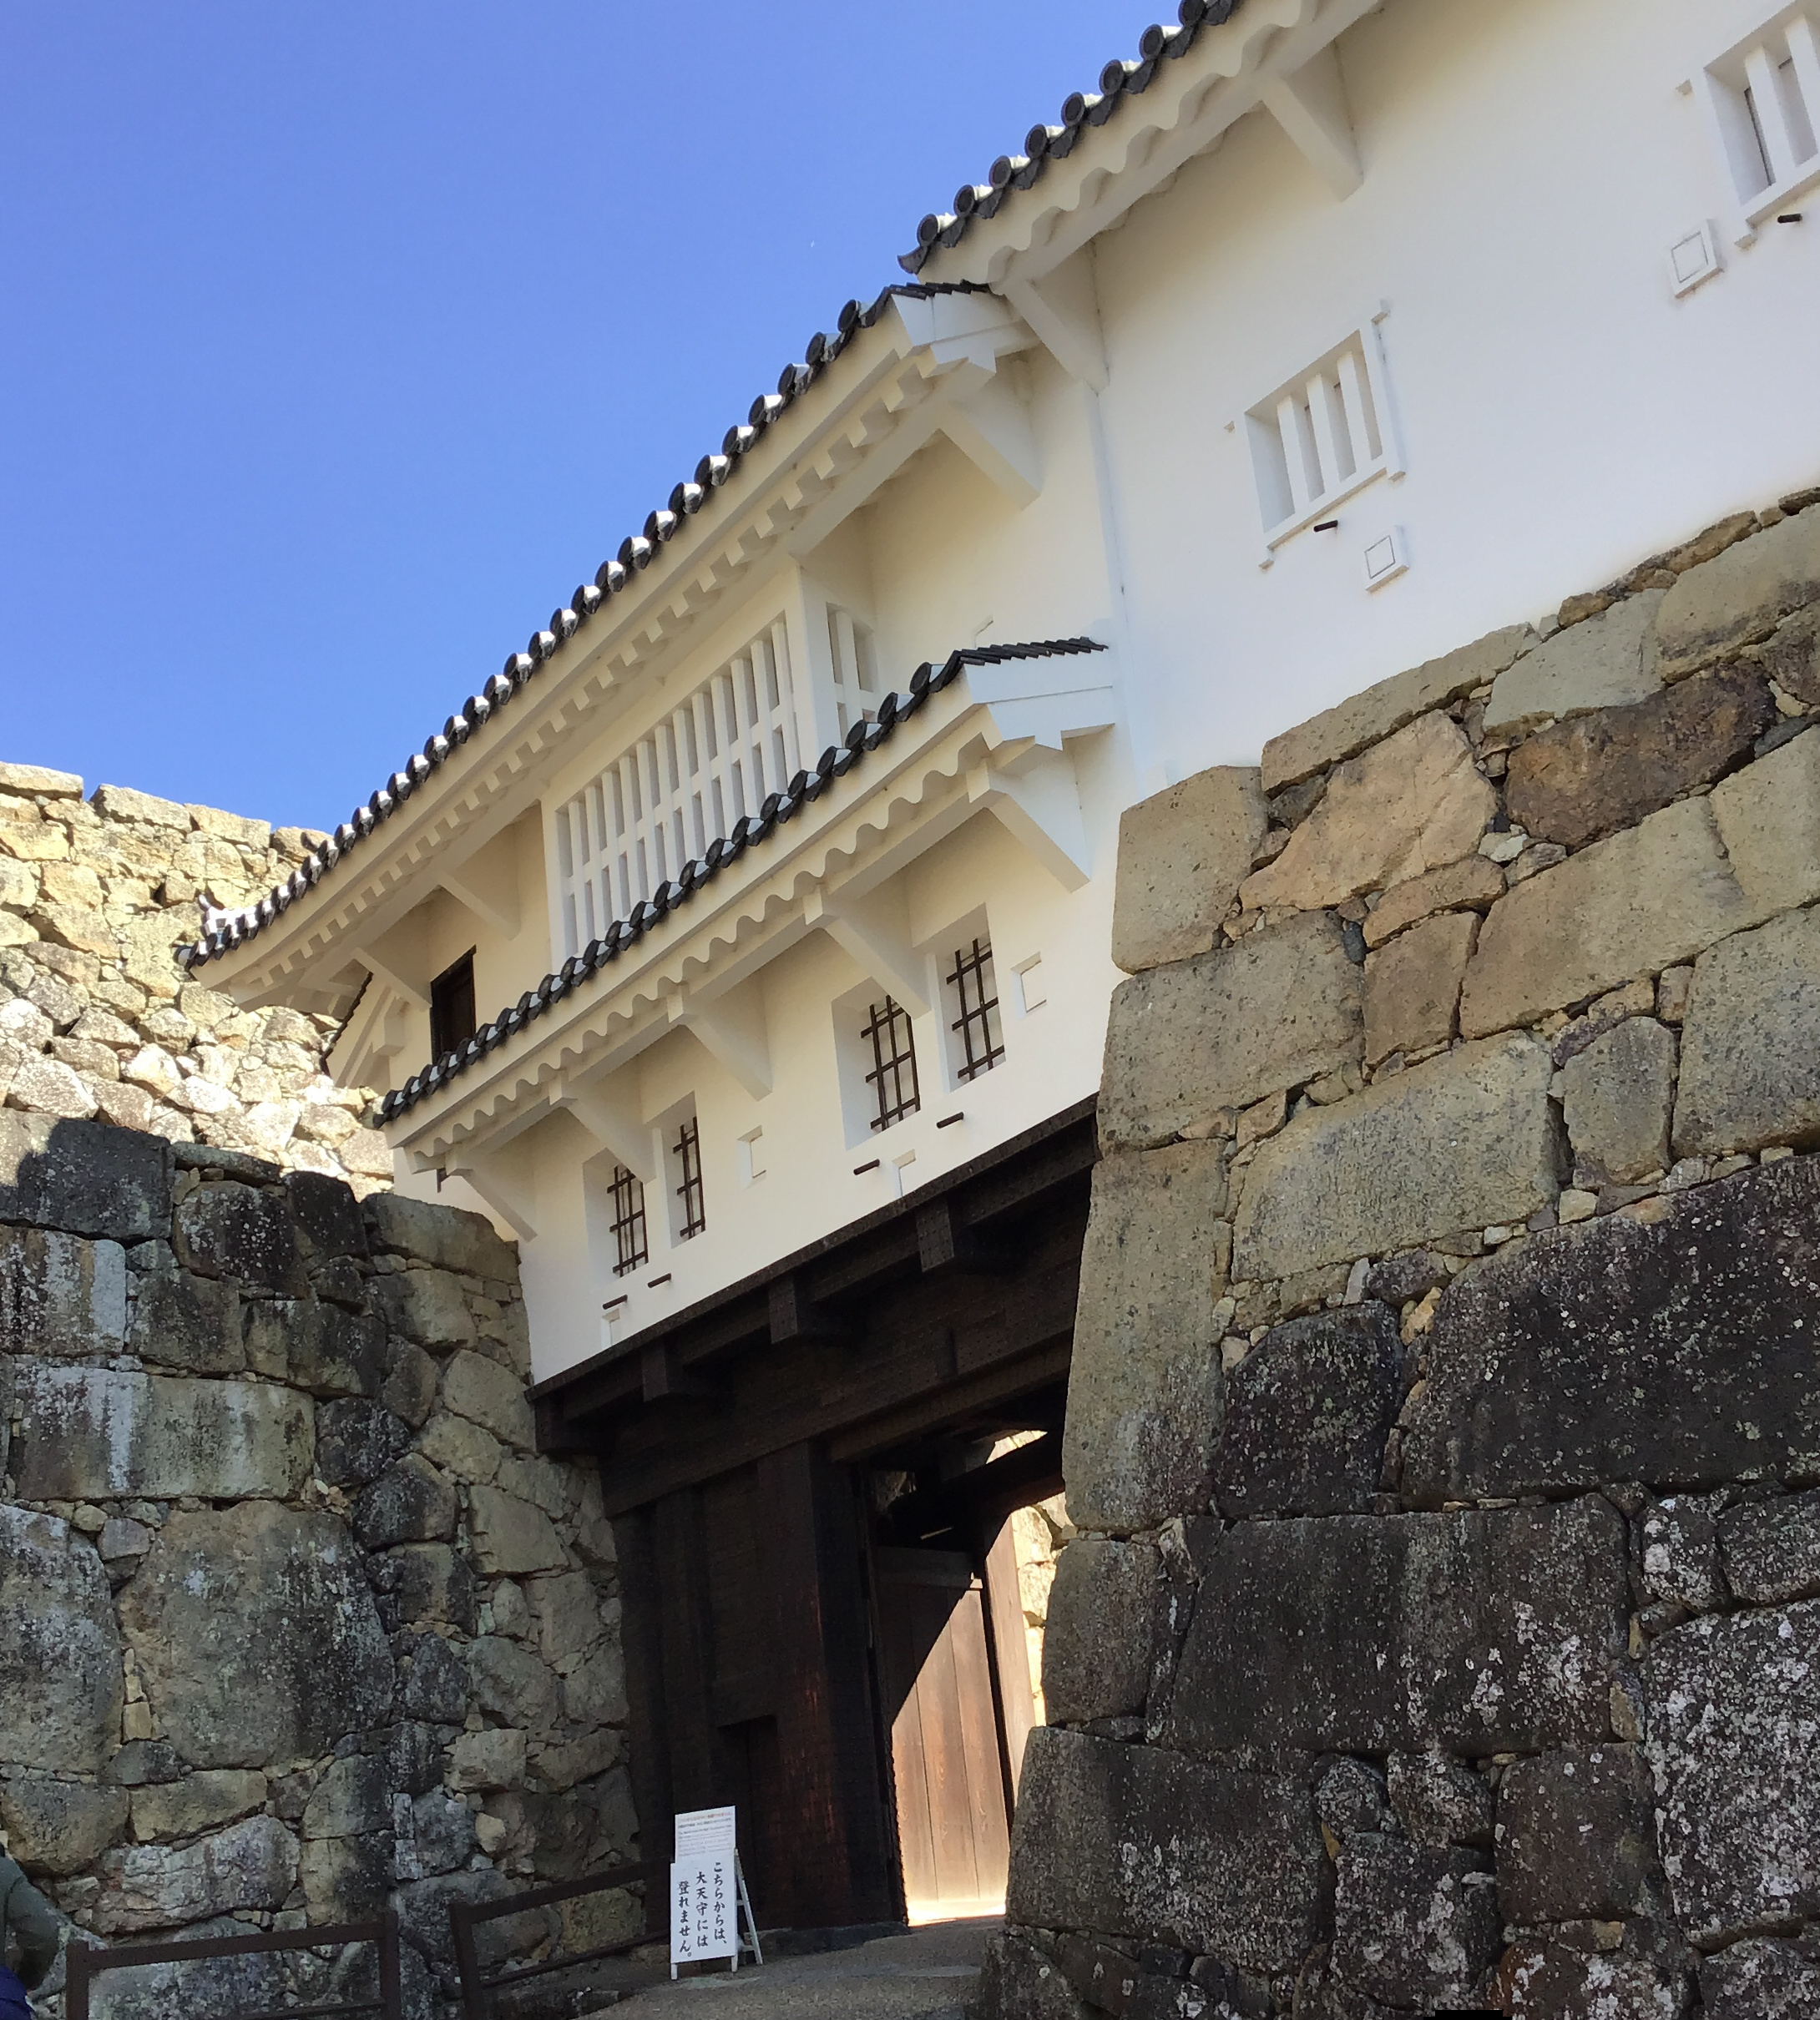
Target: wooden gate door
point(947, 1757)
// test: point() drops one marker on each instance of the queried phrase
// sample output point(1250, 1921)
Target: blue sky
point(341, 341)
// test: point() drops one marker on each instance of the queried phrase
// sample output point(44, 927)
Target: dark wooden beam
point(945, 1242)
point(794, 1315)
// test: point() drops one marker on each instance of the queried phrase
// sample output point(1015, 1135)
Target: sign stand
point(704, 1921)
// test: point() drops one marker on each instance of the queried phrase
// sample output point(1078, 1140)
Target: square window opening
point(682, 1153)
point(892, 1077)
point(976, 1020)
point(630, 1232)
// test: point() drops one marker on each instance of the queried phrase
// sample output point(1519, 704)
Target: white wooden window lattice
point(856, 669)
point(1761, 104)
point(718, 755)
point(1322, 436)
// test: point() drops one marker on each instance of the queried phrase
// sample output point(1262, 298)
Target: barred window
point(893, 1076)
point(687, 1151)
point(630, 1239)
point(976, 995)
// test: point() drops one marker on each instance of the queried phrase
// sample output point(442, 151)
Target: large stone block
point(352, 1797)
point(412, 1503)
point(188, 1322)
point(511, 1539)
point(1019, 1981)
point(1750, 1043)
point(1413, 1925)
point(1308, 1412)
point(1183, 854)
point(1551, 1980)
point(1439, 1802)
point(1222, 1031)
point(1096, 1644)
point(60, 1679)
point(1659, 893)
point(1587, 778)
point(490, 1396)
point(1771, 1549)
point(1412, 986)
point(426, 1305)
point(434, 1676)
point(1409, 804)
point(1760, 1980)
point(317, 1348)
point(202, 1801)
point(243, 1232)
point(60, 1295)
point(252, 1864)
point(327, 1213)
point(1769, 821)
point(1473, 882)
point(429, 1583)
point(256, 1635)
point(59, 1827)
point(1617, 1096)
point(84, 1178)
point(1734, 1741)
point(443, 1236)
point(355, 1441)
point(510, 1682)
point(1131, 1840)
point(1576, 1837)
point(1682, 1352)
point(1462, 1141)
point(1378, 711)
point(1740, 596)
point(93, 1434)
point(1604, 663)
point(1474, 1633)
point(1143, 1388)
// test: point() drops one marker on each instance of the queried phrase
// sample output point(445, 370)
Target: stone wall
point(96, 1019)
point(294, 1621)
point(1443, 1628)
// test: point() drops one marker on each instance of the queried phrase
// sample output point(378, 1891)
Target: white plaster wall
point(809, 1187)
point(1563, 415)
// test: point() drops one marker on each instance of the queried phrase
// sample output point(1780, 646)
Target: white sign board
point(704, 1889)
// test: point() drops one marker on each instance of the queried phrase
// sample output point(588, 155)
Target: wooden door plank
point(951, 1810)
point(1004, 1610)
point(985, 1787)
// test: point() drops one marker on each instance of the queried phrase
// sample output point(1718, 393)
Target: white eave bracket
point(872, 934)
point(1310, 106)
point(1039, 805)
point(1063, 311)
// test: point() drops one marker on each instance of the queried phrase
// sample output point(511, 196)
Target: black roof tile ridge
point(223, 933)
point(748, 831)
point(1122, 78)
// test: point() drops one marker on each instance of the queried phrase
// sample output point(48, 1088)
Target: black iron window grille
point(629, 1234)
point(893, 1076)
point(695, 1212)
point(982, 1033)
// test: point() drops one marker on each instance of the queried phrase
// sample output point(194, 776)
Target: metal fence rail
point(480, 1985)
point(84, 1964)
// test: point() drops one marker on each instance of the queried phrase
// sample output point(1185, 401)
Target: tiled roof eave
point(228, 931)
point(1121, 82)
point(580, 970)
